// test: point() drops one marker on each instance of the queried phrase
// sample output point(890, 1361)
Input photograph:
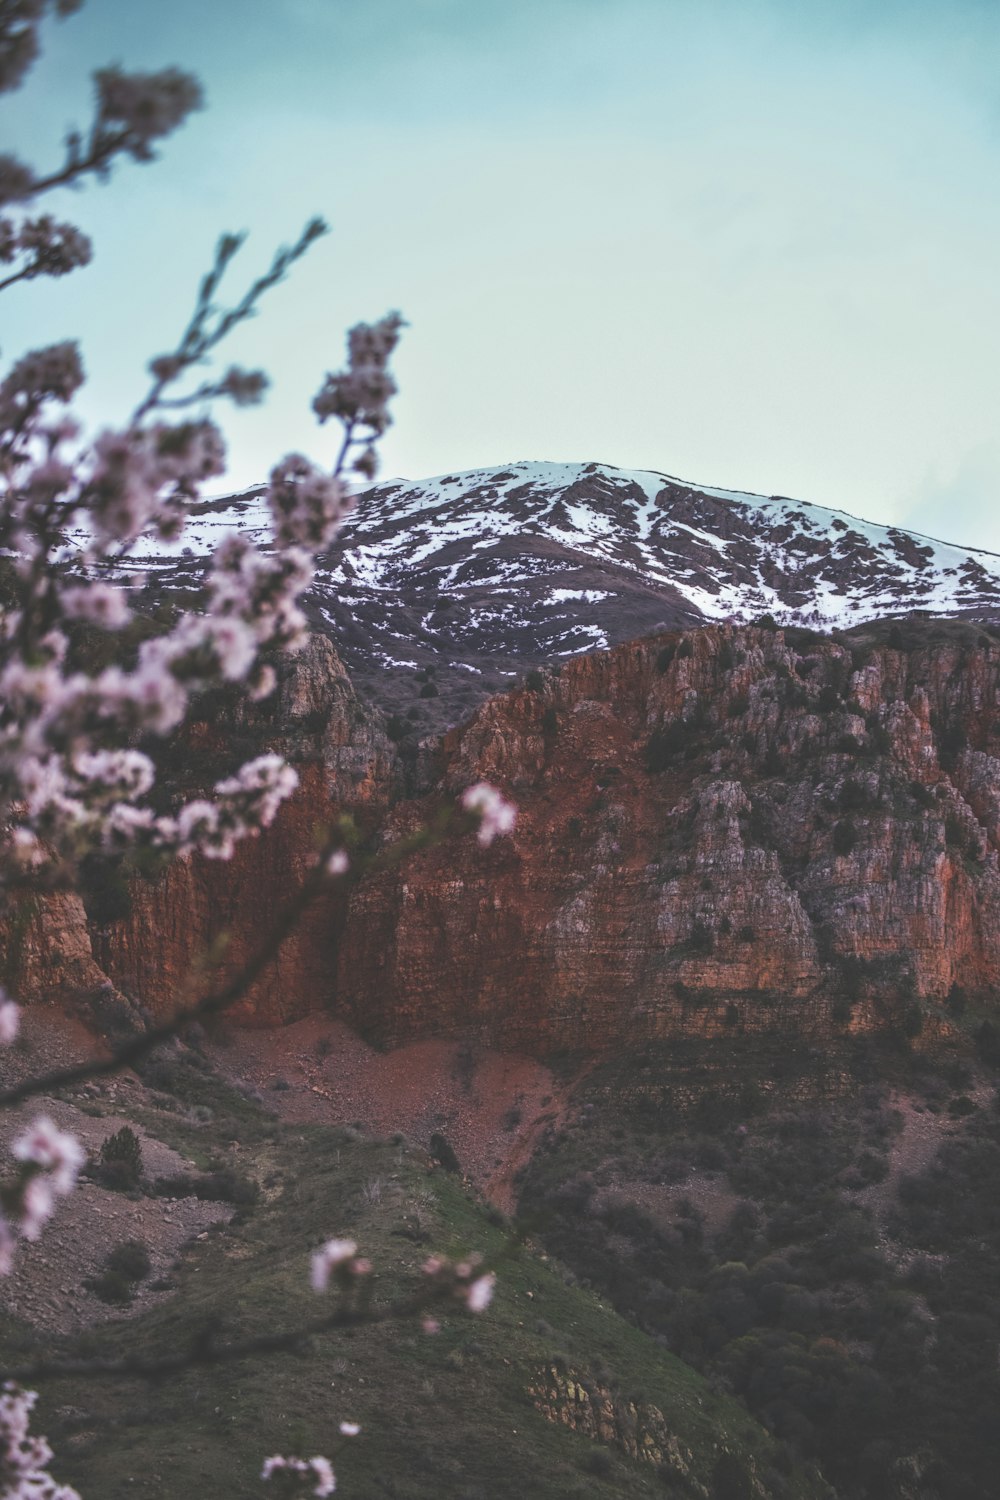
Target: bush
point(443, 1153)
point(112, 1287)
point(534, 682)
point(221, 1186)
point(130, 1260)
point(119, 1165)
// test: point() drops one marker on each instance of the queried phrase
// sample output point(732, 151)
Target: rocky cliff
point(726, 831)
point(155, 953)
point(730, 830)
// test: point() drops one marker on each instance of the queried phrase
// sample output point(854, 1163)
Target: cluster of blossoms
point(50, 1160)
point(463, 1280)
point(496, 815)
point(19, 36)
point(68, 523)
point(299, 1473)
point(24, 1459)
point(360, 395)
point(43, 246)
point(338, 1259)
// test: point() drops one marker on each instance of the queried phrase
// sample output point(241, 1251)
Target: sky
point(751, 243)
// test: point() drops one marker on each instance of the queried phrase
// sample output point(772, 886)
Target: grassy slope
point(443, 1416)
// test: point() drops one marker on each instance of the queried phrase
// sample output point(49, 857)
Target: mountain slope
point(494, 571)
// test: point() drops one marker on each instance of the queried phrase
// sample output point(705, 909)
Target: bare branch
point(217, 1001)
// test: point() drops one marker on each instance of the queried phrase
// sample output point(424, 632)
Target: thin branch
point(204, 1350)
point(198, 339)
point(98, 158)
point(138, 1047)
point(25, 273)
point(213, 1004)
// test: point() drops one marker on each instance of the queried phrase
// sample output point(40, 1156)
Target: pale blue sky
point(750, 242)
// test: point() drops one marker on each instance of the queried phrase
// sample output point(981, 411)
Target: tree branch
point(217, 1001)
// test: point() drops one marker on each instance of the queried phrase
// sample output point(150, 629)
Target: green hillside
point(547, 1394)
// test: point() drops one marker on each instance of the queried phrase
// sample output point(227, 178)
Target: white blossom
point(496, 816)
point(10, 1020)
point(23, 1458)
point(55, 1151)
point(327, 1258)
point(479, 1294)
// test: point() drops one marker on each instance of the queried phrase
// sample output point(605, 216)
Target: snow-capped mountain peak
point(496, 570)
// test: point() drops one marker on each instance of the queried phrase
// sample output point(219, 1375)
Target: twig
point(213, 1004)
point(203, 1349)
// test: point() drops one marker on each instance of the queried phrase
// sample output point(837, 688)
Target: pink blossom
point(325, 1260)
point(479, 1294)
point(496, 816)
point(37, 1205)
point(23, 1458)
point(306, 1469)
point(101, 603)
point(338, 863)
point(55, 1151)
point(146, 105)
point(350, 1429)
point(10, 1020)
point(326, 1481)
point(307, 506)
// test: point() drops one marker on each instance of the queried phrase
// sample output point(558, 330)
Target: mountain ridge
point(440, 592)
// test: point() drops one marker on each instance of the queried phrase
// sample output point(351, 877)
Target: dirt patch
point(46, 1286)
point(489, 1106)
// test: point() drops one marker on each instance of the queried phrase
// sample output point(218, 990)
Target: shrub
point(534, 682)
point(130, 1260)
point(112, 1287)
point(119, 1165)
point(443, 1153)
point(221, 1186)
point(665, 657)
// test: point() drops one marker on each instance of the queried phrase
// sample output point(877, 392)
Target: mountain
point(472, 579)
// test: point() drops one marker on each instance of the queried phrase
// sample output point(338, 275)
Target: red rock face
point(201, 907)
point(732, 831)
